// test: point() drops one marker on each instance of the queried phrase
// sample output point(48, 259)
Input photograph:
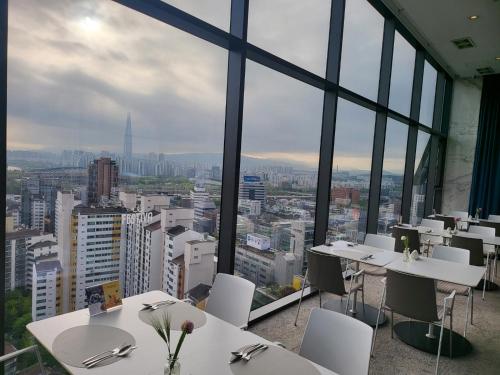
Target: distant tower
point(127, 141)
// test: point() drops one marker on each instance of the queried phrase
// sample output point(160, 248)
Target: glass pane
point(115, 140)
point(215, 12)
point(403, 66)
point(352, 160)
point(420, 177)
point(296, 31)
point(361, 48)
point(391, 192)
point(428, 95)
point(277, 197)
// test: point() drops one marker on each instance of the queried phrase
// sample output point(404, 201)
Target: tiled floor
point(392, 356)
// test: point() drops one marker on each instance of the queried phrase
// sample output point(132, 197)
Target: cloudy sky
point(77, 67)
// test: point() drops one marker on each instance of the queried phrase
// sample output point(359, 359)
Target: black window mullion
point(3, 161)
point(433, 159)
point(380, 126)
point(328, 122)
point(232, 138)
point(411, 146)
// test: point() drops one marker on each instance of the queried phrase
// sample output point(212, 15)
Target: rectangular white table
point(206, 351)
point(442, 270)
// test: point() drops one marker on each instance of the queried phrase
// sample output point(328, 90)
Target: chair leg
point(467, 312)
point(320, 304)
point(301, 295)
point(451, 333)
point(392, 324)
point(440, 342)
point(471, 306)
point(487, 269)
point(380, 308)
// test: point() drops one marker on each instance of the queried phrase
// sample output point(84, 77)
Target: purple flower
point(187, 327)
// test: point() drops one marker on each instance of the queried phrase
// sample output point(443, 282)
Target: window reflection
point(428, 95)
point(421, 173)
point(403, 64)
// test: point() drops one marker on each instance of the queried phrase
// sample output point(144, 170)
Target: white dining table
point(488, 240)
point(206, 351)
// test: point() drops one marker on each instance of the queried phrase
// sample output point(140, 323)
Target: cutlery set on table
point(246, 353)
point(120, 351)
point(157, 305)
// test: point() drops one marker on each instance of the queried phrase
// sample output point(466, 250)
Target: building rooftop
point(23, 233)
point(269, 254)
point(175, 231)
point(48, 265)
point(84, 210)
point(154, 226)
point(41, 244)
point(199, 292)
point(194, 242)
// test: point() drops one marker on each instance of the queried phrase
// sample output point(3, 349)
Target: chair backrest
point(449, 221)
point(380, 241)
point(495, 218)
point(451, 254)
point(475, 247)
point(411, 234)
point(324, 272)
point(433, 224)
point(411, 296)
point(482, 230)
point(230, 299)
point(491, 224)
point(337, 342)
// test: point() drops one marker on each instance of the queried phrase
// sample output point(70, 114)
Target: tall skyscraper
point(103, 177)
point(127, 141)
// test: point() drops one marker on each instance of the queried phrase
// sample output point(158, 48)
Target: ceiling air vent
point(485, 70)
point(463, 43)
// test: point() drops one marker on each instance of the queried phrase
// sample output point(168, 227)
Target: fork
point(122, 353)
point(252, 353)
point(111, 351)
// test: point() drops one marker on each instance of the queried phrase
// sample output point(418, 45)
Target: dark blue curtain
point(485, 189)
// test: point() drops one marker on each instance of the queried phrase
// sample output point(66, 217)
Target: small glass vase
point(172, 370)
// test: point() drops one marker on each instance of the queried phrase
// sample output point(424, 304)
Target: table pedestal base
point(490, 286)
point(414, 334)
point(368, 314)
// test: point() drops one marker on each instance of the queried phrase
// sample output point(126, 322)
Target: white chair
point(495, 218)
point(380, 242)
point(463, 216)
point(455, 254)
point(337, 342)
point(428, 240)
point(230, 299)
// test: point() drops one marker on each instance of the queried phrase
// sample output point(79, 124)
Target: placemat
point(79, 343)
point(178, 312)
point(272, 361)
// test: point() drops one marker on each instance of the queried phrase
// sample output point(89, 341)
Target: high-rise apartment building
point(43, 250)
point(16, 245)
point(37, 212)
point(97, 245)
point(103, 179)
point(301, 240)
point(47, 290)
point(251, 187)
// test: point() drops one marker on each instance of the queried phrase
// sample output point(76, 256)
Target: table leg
point(353, 310)
point(430, 332)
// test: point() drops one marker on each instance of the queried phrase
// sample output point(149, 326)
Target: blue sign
point(251, 179)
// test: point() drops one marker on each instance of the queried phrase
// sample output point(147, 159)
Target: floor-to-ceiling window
point(112, 112)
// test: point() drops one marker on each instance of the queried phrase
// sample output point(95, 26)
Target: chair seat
point(375, 271)
point(447, 288)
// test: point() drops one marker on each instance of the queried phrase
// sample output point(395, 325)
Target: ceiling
point(435, 23)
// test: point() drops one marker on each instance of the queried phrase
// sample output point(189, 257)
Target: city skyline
point(61, 95)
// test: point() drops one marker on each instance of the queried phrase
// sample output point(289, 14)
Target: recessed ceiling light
point(473, 18)
point(497, 58)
